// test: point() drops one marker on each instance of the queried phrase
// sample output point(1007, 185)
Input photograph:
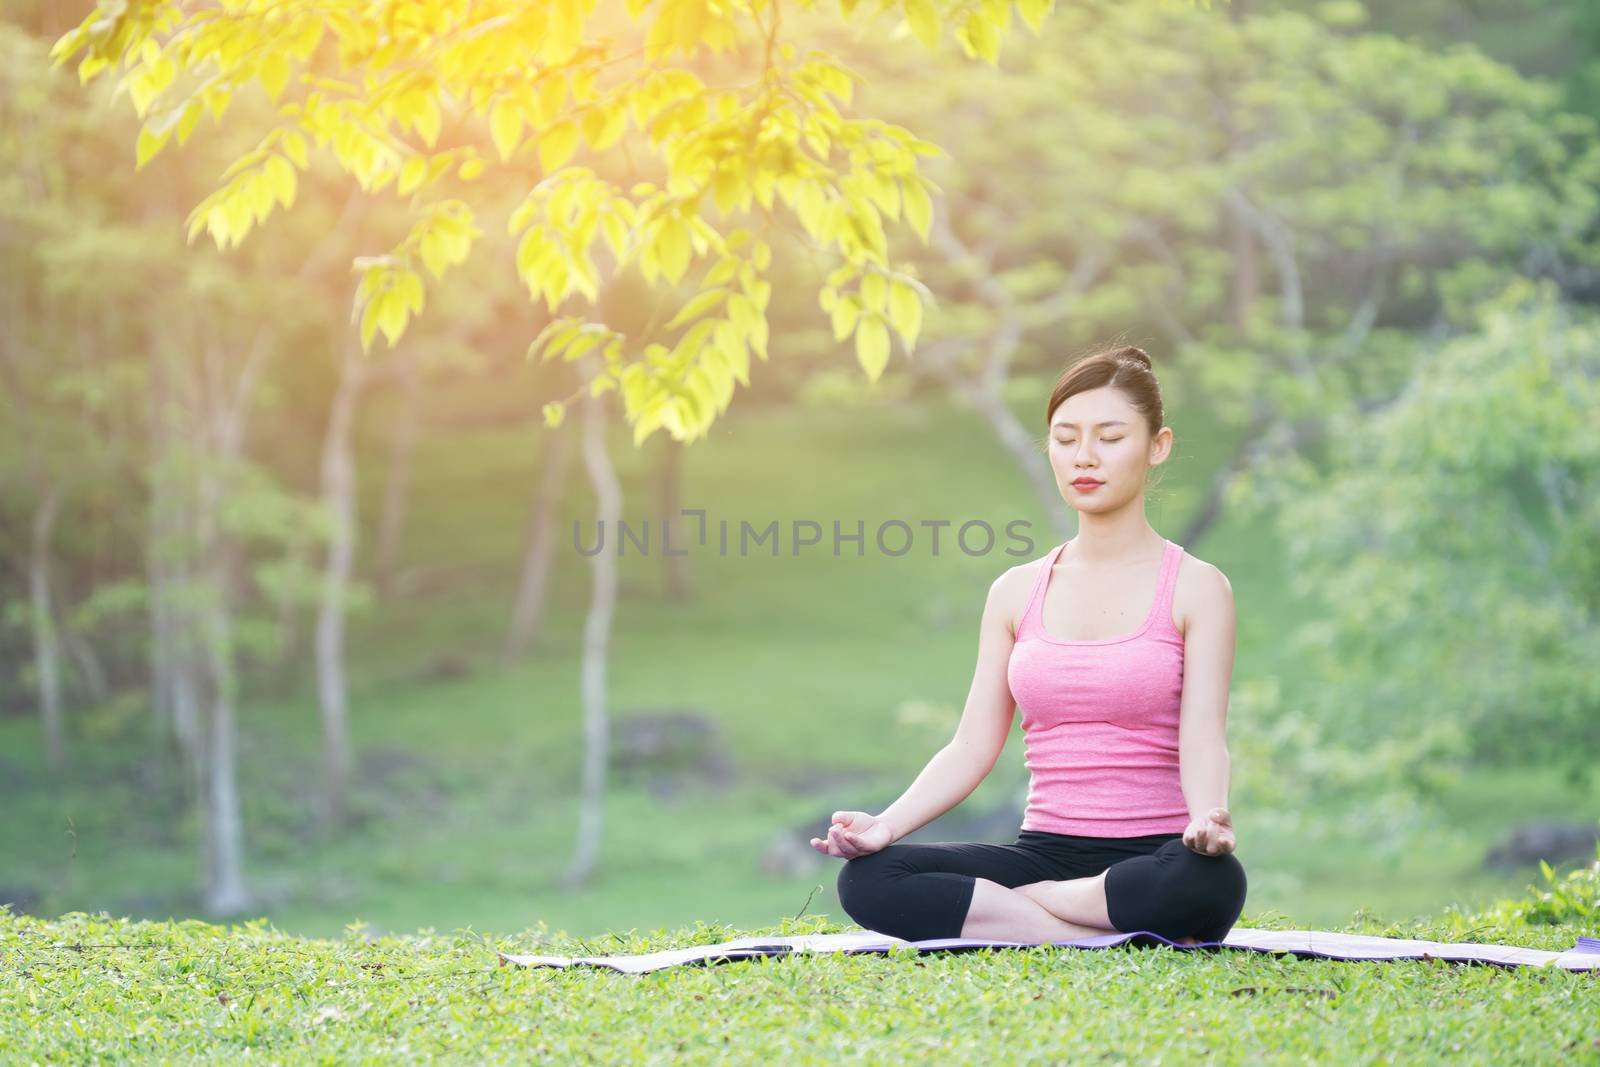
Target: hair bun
point(1136, 354)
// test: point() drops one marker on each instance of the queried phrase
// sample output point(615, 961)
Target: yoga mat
point(1584, 955)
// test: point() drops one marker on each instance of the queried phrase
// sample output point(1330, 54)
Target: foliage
point(1569, 900)
point(1379, 181)
point(1448, 542)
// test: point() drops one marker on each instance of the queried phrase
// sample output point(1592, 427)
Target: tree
point(402, 93)
point(1455, 566)
point(1277, 197)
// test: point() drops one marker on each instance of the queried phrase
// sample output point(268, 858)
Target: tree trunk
point(528, 611)
point(222, 851)
point(402, 444)
point(46, 647)
point(338, 495)
point(985, 399)
point(158, 509)
point(83, 657)
point(1245, 287)
point(596, 636)
point(224, 826)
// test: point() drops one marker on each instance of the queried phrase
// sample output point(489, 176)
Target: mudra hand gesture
point(1211, 835)
point(854, 833)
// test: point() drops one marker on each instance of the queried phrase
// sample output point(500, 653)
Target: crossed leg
point(1078, 900)
point(1014, 915)
point(956, 889)
point(1005, 892)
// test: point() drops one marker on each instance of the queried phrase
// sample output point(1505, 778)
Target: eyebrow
point(1108, 422)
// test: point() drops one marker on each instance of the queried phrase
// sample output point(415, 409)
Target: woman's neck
point(1114, 538)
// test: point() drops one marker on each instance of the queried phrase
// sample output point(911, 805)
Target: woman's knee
point(1216, 887)
point(864, 880)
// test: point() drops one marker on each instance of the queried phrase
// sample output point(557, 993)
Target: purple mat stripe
point(1587, 944)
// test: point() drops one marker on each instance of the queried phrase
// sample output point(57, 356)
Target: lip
point(1086, 484)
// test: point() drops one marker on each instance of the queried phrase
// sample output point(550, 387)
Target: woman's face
point(1098, 436)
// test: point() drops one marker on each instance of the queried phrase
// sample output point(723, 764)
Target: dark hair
point(1124, 366)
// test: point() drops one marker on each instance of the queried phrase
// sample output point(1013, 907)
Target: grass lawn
point(84, 989)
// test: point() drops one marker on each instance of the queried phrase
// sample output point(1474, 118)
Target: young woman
point(1118, 646)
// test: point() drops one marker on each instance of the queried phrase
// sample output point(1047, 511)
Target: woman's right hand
point(854, 833)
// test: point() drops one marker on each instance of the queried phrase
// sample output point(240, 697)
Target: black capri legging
point(1154, 882)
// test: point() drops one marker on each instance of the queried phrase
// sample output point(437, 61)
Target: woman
point(1118, 646)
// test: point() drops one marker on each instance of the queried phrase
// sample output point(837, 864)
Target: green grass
point(464, 804)
point(90, 989)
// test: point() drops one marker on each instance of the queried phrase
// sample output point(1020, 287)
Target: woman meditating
point(1118, 647)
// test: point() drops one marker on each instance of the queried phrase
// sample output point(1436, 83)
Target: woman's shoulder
point(1013, 587)
point(1200, 586)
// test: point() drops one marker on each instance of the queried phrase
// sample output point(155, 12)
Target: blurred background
point(1360, 242)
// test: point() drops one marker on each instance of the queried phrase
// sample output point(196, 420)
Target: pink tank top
point(1100, 720)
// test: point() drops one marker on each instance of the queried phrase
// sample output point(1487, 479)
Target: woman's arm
point(957, 768)
point(1208, 649)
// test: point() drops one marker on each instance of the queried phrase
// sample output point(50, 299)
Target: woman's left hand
point(1212, 835)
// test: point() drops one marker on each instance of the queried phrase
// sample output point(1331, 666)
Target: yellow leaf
point(149, 144)
point(615, 125)
point(844, 317)
point(645, 425)
point(924, 21)
point(919, 208)
point(470, 169)
point(554, 411)
point(434, 254)
point(411, 174)
point(672, 244)
point(616, 231)
point(294, 146)
point(369, 324)
point(983, 36)
point(701, 304)
point(727, 188)
point(557, 144)
point(392, 317)
point(552, 95)
point(723, 272)
point(743, 314)
point(905, 311)
point(410, 288)
point(1033, 12)
point(872, 346)
point(280, 178)
point(505, 126)
point(874, 288)
point(426, 120)
point(191, 115)
point(274, 74)
point(758, 337)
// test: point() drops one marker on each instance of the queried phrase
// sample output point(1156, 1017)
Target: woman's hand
point(1212, 835)
point(854, 833)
